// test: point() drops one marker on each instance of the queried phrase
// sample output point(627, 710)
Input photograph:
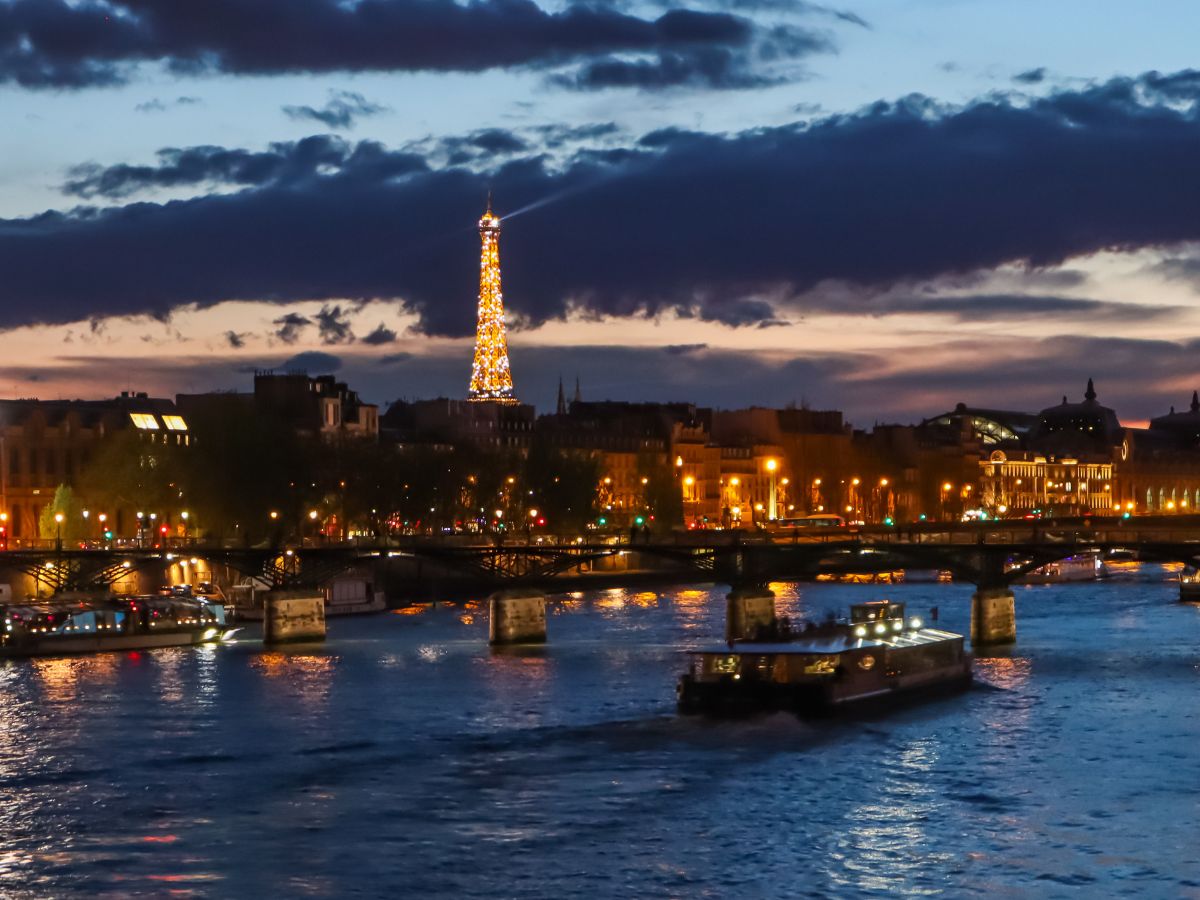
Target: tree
point(66, 504)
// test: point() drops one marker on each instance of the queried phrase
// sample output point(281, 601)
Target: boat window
point(866, 663)
point(821, 665)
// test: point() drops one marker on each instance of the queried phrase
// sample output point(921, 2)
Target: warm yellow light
point(1129, 505)
point(883, 482)
point(58, 517)
point(771, 464)
point(735, 481)
point(184, 515)
point(1170, 504)
point(645, 481)
point(533, 514)
point(783, 481)
point(758, 507)
point(607, 480)
point(312, 514)
point(849, 509)
point(689, 480)
point(274, 514)
point(1001, 508)
point(678, 461)
point(817, 482)
point(947, 486)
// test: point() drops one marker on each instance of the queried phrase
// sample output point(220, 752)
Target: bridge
point(989, 555)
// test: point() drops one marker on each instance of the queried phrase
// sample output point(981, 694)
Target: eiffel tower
point(491, 380)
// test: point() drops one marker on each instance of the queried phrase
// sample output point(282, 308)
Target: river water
point(403, 758)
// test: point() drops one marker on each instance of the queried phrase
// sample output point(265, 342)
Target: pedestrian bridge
point(989, 555)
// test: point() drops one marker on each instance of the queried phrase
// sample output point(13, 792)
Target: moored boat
point(1081, 567)
point(876, 657)
point(82, 624)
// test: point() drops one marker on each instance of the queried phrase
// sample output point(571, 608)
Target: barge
point(82, 624)
point(876, 658)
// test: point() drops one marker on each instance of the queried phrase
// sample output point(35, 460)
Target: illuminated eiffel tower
point(491, 380)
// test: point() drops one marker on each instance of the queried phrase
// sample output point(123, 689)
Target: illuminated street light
point(274, 515)
point(772, 513)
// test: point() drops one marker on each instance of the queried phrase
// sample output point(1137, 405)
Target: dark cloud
point(712, 226)
point(235, 340)
point(333, 325)
point(314, 362)
point(681, 349)
point(53, 43)
point(288, 327)
point(555, 136)
point(483, 145)
point(1032, 76)
point(156, 105)
point(283, 163)
point(713, 67)
point(381, 335)
point(342, 110)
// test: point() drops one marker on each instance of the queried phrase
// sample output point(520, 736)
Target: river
point(404, 758)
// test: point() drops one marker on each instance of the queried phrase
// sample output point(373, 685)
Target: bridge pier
point(517, 617)
point(747, 610)
point(290, 616)
point(993, 617)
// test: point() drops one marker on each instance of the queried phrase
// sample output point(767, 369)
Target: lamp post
point(771, 511)
point(58, 520)
point(185, 516)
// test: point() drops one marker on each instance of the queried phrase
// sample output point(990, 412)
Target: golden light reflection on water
point(1009, 673)
point(59, 679)
point(308, 676)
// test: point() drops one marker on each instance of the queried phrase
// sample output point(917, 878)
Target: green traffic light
point(639, 520)
point(602, 521)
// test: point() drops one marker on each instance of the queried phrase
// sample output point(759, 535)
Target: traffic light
point(108, 535)
point(602, 521)
point(639, 521)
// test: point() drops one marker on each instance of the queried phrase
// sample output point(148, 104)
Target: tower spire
point(578, 396)
point(491, 379)
point(1090, 393)
point(1195, 402)
point(561, 409)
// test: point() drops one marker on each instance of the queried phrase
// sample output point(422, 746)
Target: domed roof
point(1185, 425)
point(1078, 427)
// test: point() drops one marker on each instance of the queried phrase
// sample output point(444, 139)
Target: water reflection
point(406, 752)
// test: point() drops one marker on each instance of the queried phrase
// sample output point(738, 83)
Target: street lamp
point(772, 514)
point(58, 520)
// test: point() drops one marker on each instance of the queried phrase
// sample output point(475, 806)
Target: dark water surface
point(403, 758)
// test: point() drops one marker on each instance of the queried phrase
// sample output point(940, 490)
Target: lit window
point(144, 421)
point(175, 423)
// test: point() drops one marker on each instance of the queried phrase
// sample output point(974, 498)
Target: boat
point(1081, 567)
point(89, 624)
point(875, 658)
point(344, 596)
point(1189, 586)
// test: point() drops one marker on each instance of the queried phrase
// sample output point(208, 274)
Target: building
point(319, 407)
point(47, 443)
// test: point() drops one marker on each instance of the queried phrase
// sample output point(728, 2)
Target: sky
point(882, 206)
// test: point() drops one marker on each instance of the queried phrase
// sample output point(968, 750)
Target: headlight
point(915, 622)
